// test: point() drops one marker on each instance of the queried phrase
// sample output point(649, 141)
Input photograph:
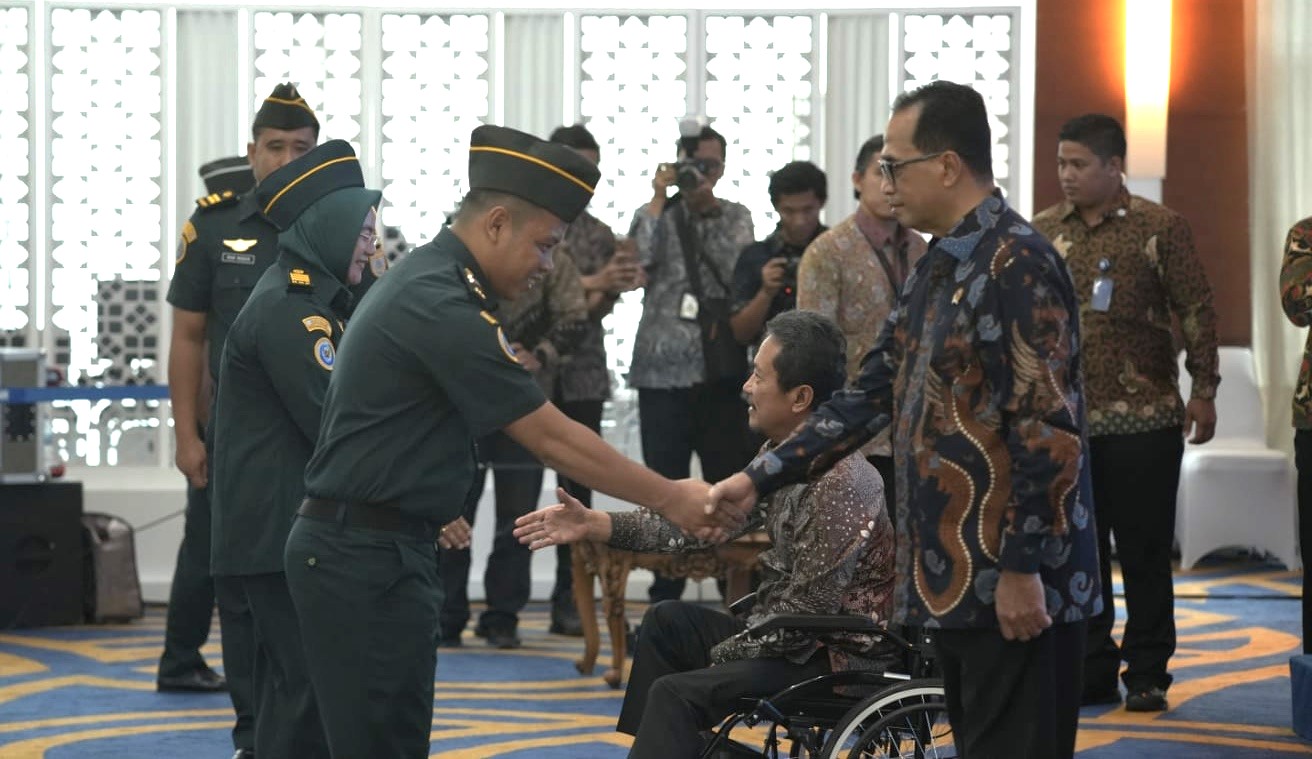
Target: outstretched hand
point(561, 524)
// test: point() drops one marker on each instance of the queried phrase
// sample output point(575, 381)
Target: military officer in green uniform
point(275, 368)
point(424, 369)
point(226, 245)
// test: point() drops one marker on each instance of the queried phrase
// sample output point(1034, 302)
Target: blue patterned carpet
point(88, 692)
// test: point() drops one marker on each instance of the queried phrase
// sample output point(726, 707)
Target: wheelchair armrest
point(815, 623)
point(743, 605)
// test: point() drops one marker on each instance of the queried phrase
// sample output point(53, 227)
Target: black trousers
point(886, 468)
point(674, 692)
point(587, 413)
point(517, 478)
point(1303, 460)
point(367, 601)
point(287, 720)
point(1007, 698)
point(1135, 478)
point(709, 420)
point(192, 597)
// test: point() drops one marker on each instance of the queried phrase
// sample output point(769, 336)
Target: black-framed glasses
point(889, 169)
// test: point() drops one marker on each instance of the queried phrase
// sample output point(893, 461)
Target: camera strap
point(693, 253)
point(893, 280)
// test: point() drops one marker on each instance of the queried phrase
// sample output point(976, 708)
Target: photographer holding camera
point(687, 367)
point(765, 277)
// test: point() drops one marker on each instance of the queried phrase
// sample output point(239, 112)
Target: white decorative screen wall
point(92, 177)
point(436, 90)
point(760, 78)
point(15, 178)
point(106, 232)
point(633, 90)
point(976, 50)
point(320, 53)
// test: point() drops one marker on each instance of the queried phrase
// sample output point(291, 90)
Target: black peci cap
point(285, 109)
point(545, 174)
point(285, 193)
point(228, 174)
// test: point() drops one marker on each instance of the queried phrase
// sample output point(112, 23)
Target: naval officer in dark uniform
point(424, 369)
point(226, 245)
point(275, 368)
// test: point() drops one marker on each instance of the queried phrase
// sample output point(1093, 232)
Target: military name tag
point(1102, 294)
point(688, 307)
point(245, 259)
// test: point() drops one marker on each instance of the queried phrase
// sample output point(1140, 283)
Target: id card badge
point(1102, 294)
point(688, 307)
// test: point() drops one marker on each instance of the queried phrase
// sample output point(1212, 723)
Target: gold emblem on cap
point(239, 245)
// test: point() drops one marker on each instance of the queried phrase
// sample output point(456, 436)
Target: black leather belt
point(371, 516)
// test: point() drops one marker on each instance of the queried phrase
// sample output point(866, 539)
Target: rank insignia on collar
point(473, 283)
point(239, 245)
point(299, 277)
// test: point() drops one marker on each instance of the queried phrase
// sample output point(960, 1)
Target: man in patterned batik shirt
point(978, 374)
point(1296, 297)
point(1134, 268)
point(680, 411)
point(832, 553)
point(854, 273)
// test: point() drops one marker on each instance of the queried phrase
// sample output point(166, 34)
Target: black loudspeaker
point(40, 554)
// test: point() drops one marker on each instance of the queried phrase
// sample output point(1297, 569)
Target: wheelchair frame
point(819, 725)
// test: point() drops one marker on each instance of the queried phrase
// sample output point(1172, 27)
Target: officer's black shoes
point(1101, 698)
point(244, 753)
point(565, 621)
point(1146, 700)
point(503, 639)
point(203, 680)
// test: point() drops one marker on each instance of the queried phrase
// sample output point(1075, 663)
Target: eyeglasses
point(888, 169)
point(370, 238)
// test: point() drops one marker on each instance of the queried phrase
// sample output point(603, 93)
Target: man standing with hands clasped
point(977, 372)
point(1134, 268)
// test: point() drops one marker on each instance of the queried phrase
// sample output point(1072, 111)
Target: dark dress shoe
point(503, 639)
point(452, 642)
point(244, 753)
point(1146, 700)
point(203, 680)
point(566, 622)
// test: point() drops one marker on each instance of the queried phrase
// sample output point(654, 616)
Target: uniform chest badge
point(324, 353)
point(239, 245)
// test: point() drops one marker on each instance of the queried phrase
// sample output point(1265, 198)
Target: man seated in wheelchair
point(832, 553)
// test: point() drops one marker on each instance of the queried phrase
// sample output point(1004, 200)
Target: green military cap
point(545, 174)
point(228, 175)
point(285, 109)
point(285, 193)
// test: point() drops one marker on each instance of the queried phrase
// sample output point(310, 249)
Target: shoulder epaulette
point(217, 200)
point(299, 280)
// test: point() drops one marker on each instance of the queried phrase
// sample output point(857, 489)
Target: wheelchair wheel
point(853, 726)
point(920, 731)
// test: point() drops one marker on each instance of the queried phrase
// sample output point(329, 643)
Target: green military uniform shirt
point(425, 369)
point(226, 245)
point(280, 353)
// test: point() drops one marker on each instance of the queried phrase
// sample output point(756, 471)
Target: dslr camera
point(790, 274)
point(688, 172)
